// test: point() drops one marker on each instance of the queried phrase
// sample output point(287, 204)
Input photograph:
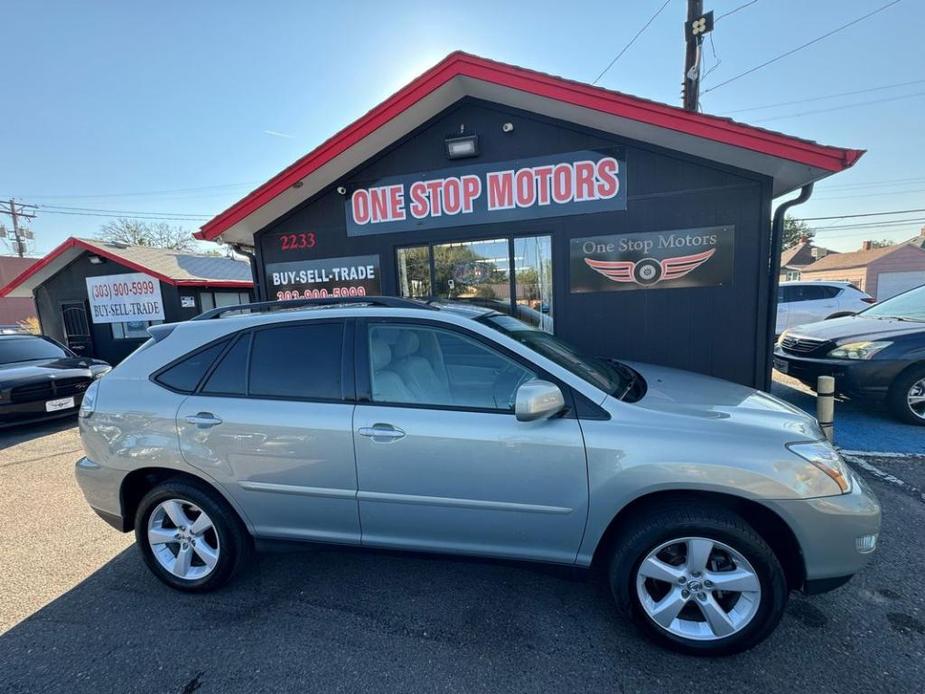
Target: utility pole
point(16, 211)
point(697, 25)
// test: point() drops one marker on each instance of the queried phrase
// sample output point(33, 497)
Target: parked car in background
point(42, 379)
point(877, 354)
point(455, 428)
point(808, 302)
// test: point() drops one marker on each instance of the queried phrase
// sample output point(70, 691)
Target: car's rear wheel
point(907, 396)
point(698, 580)
point(189, 537)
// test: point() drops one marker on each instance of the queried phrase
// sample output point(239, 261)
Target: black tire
point(899, 392)
point(233, 538)
point(662, 523)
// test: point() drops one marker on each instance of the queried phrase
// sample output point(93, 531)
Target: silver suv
point(457, 429)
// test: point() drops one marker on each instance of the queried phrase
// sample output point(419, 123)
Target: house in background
point(99, 298)
point(881, 272)
point(14, 309)
point(795, 258)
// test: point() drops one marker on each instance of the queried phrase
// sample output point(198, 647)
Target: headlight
point(858, 350)
point(781, 337)
point(88, 404)
point(101, 371)
point(826, 458)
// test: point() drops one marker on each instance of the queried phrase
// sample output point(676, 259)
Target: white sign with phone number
point(120, 298)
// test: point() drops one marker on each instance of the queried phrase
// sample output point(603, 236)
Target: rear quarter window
point(185, 374)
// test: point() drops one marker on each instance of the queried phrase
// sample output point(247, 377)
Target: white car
point(809, 302)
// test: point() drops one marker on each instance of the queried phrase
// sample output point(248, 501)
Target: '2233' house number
point(293, 242)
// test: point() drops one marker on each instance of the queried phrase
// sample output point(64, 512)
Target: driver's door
point(442, 462)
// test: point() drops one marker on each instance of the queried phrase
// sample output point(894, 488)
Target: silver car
point(457, 429)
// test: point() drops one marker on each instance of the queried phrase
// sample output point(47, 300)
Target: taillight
point(868, 300)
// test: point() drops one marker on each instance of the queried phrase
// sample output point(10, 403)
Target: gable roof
point(861, 258)
point(791, 162)
point(178, 268)
point(801, 255)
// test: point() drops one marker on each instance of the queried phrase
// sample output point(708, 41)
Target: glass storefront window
point(414, 272)
point(477, 271)
point(480, 272)
point(533, 281)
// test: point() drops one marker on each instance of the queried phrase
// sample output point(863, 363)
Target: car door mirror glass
point(538, 399)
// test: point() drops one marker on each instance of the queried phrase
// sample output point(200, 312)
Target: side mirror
point(538, 399)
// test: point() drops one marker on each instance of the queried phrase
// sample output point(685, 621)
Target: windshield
point(907, 306)
point(606, 375)
point(17, 349)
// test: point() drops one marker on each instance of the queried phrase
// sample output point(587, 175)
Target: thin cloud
point(276, 133)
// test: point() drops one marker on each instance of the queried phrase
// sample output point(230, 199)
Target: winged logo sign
point(684, 258)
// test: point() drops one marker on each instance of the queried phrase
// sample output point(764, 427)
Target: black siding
point(713, 330)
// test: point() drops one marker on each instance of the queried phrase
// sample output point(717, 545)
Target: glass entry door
point(513, 276)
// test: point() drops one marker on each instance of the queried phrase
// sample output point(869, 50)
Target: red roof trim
point(73, 242)
point(714, 128)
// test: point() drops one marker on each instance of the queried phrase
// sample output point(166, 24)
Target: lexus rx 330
point(457, 429)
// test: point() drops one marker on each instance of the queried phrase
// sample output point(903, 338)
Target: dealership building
point(628, 227)
point(99, 297)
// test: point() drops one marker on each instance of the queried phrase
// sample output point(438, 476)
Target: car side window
point(814, 293)
point(787, 294)
point(419, 365)
point(300, 361)
point(832, 292)
point(229, 376)
point(186, 374)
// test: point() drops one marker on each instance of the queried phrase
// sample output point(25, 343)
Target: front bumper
point(829, 530)
point(18, 413)
point(100, 487)
point(859, 378)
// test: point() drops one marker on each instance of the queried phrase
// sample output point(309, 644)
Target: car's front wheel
point(907, 396)
point(189, 537)
point(697, 579)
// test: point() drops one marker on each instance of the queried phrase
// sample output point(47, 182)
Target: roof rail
point(289, 304)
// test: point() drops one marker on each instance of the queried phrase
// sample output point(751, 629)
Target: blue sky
point(183, 107)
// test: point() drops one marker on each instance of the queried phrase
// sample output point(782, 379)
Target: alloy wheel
point(698, 588)
point(916, 398)
point(183, 539)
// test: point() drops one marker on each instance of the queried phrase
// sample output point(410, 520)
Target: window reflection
point(473, 271)
point(533, 281)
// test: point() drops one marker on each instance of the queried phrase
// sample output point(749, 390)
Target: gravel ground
point(81, 613)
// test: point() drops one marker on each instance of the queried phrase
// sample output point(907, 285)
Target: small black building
point(98, 297)
point(628, 227)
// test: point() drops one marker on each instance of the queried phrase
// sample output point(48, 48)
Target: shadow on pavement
point(346, 620)
point(15, 435)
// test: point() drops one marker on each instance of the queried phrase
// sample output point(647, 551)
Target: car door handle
point(382, 432)
point(203, 419)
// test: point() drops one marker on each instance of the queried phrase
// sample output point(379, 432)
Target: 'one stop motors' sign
point(120, 298)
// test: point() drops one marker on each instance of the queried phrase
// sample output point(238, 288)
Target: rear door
point(442, 462)
point(271, 420)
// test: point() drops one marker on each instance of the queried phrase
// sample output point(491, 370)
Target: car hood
point(857, 328)
point(686, 394)
point(24, 371)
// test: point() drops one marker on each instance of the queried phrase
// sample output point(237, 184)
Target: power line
point(871, 195)
point(740, 7)
point(127, 212)
point(100, 214)
point(827, 96)
point(876, 184)
point(840, 108)
point(632, 41)
point(873, 225)
point(143, 194)
point(805, 45)
point(863, 214)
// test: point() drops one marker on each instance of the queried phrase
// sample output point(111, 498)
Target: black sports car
point(42, 379)
point(878, 353)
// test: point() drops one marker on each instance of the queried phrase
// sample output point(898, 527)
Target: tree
point(882, 243)
point(794, 230)
point(137, 232)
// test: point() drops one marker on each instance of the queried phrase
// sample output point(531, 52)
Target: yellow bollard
point(825, 405)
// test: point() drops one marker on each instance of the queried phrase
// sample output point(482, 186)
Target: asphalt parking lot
point(79, 612)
